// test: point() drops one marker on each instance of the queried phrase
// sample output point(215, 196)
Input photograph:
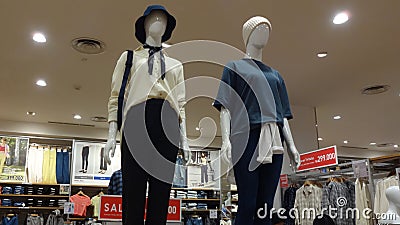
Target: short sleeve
point(88, 201)
point(226, 87)
point(287, 113)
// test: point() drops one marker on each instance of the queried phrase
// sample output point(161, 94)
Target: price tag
point(69, 208)
point(213, 214)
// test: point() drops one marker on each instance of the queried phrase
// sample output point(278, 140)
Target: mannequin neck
point(254, 52)
point(153, 41)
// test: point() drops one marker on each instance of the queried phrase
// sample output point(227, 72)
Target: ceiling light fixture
point(396, 146)
point(346, 142)
point(372, 143)
point(77, 117)
point(30, 113)
point(41, 83)
point(197, 128)
point(337, 117)
point(320, 139)
point(341, 18)
point(39, 37)
point(322, 54)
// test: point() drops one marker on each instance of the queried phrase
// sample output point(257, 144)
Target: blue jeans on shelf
point(256, 187)
point(194, 221)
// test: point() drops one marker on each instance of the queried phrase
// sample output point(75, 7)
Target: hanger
point(81, 193)
point(308, 183)
point(101, 192)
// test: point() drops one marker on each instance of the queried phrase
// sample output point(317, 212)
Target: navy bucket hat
point(140, 33)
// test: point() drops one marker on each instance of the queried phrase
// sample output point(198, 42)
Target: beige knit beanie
point(251, 24)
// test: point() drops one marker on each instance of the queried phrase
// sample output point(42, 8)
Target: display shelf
point(34, 196)
point(196, 189)
point(90, 186)
point(34, 208)
point(201, 199)
point(199, 210)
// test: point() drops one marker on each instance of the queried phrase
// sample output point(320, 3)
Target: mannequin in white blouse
point(155, 25)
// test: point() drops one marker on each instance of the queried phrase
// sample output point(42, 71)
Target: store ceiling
point(362, 52)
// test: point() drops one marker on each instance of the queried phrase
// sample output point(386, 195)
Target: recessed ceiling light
point(320, 139)
point(39, 37)
point(41, 83)
point(30, 113)
point(396, 146)
point(372, 143)
point(337, 117)
point(197, 128)
point(341, 18)
point(77, 117)
point(322, 54)
point(346, 142)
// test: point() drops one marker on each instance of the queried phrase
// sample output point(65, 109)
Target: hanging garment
point(269, 143)
point(289, 198)
point(62, 167)
point(96, 205)
point(363, 202)
point(34, 220)
point(10, 220)
point(180, 174)
point(338, 196)
point(81, 203)
point(381, 204)
point(307, 197)
point(115, 185)
point(49, 167)
point(55, 219)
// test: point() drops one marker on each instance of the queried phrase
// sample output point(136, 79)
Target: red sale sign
point(318, 158)
point(111, 209)
point(284, 181)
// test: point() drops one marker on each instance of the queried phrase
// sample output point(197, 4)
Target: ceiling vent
point(99, 119)
point(71, 124)
point(88, 45)
point(375, 89)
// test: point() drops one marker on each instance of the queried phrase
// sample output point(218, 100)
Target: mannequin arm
point(184, 142)
point(293, 153)
point(225, 118)
point(111, 141)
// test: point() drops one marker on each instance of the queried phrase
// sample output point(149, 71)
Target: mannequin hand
point(226, 151)
point(111, 142)
point(110, 147)
point(294, 157)
point(186, 150)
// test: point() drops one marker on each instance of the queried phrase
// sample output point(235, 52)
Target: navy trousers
point(256, 187)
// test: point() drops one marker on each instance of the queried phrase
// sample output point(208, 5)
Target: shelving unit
point(31, 208)
point(33, 196)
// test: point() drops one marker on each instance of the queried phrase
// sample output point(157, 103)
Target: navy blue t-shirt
point(254, 93)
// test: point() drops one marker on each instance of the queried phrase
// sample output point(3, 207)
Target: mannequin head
point(259, 37)
point(256, 32)
point(393, 195)
point(155, 23)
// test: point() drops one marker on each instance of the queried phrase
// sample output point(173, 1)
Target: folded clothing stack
point(30, 190)
point(52, 191)
point(19, 204)
point(61, 202)
point(191, 205)
point(201, 206)
point(30, 202)
point(7, 190)
point(202, 195)
point(39, 203)
point(19, 190)
point(192, 194)
point(6, 202)
point(40, 191)
point(172, 194)
point(181, 194)
point(52, 203)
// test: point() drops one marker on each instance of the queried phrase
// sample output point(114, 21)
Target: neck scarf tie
point(150, 61)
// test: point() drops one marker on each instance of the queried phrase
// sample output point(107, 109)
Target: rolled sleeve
point(181, 92)
point(115, 87)
point(225, 89)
